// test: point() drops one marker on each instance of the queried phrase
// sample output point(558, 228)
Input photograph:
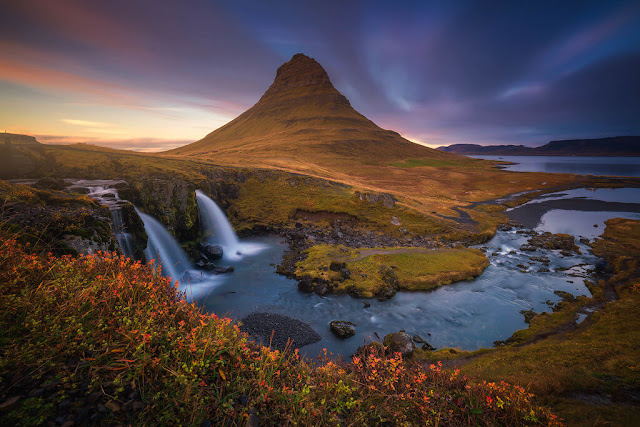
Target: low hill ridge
point(611, 146)
point(17, 139)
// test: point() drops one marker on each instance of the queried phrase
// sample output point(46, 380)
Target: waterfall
point(125, 240)
point(164, 249)
point(216, 225)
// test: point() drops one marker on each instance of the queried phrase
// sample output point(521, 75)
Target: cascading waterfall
point(125, 240)
point(163, 248)
point(216, 225)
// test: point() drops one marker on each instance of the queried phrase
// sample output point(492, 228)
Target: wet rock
point(366, 304)
point(306, 285)
point(541, 259)
point(543, 270)
point(337, 266)
point(418, 339)
point(528, 248)
point(554, 241)
point(342, 328)
point(321, 289)
point(427, 347)
point(223, 270)
point(399, 342)
point(213, 252)
point(386, 293)
point(565, 252)
point(346, 273)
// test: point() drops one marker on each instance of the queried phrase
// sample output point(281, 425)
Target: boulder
point(223, 270)
point(399, 342)
point(342, 328)
point(213, 252)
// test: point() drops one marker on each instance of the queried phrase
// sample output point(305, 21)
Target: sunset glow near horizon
point(153, 75)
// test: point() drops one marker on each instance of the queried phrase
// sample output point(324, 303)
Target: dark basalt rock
point(342, 328)
point(135, 227)
point(213, 252)
point(427, 347)
point(278, 329)
point(399, 342)
point(223, 270)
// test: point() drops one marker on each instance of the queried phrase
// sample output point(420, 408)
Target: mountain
point(303, 118)
point(612, 146)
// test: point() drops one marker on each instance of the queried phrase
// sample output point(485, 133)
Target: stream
point(467, 315)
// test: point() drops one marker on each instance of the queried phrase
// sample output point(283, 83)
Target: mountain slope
point(304, 115)
point(304, 125)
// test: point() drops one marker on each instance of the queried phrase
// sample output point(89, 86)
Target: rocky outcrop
point(171, 201)
point(135, 227)
point(342, 328)
point(385, 199)
point(17, 139)
point(399, 342)
point(564, 242)
point(59, 222)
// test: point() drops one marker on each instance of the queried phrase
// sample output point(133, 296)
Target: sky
point(151, 75)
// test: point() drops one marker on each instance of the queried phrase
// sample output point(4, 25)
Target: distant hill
point(612, 146)
point(17, 139)
point(302, 118)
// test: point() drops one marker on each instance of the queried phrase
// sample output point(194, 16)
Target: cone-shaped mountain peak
point(300, 71)
point(302, 117)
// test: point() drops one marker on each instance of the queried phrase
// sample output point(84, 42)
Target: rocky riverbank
point(279, 331)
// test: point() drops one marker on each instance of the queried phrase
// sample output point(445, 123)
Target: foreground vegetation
point(81, 337)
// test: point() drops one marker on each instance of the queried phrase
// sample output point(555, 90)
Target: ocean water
point(581, 165)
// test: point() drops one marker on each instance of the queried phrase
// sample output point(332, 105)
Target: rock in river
point(213, 252)
point(342, 328)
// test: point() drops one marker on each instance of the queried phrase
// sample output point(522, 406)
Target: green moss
point(370, 269)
